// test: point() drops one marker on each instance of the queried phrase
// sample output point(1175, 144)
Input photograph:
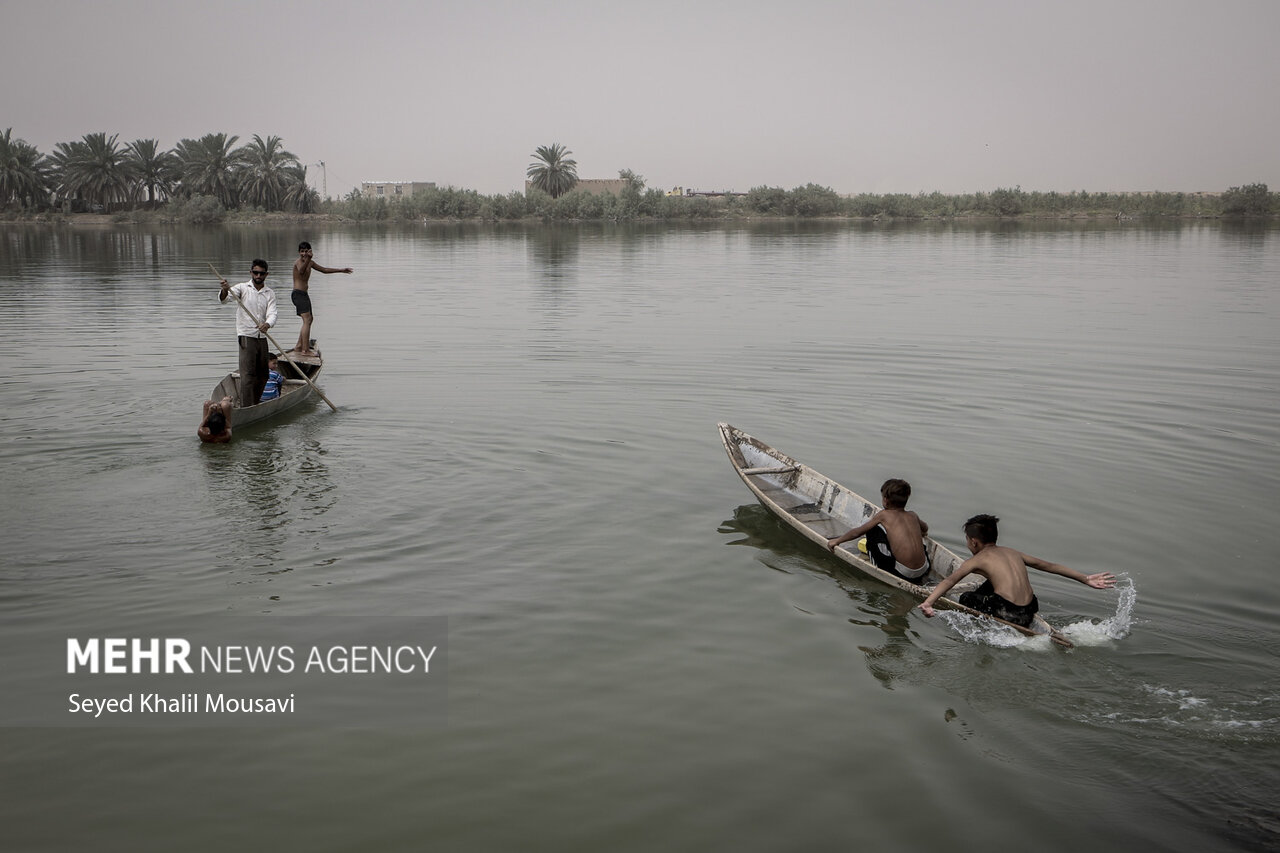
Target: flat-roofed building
point(592, 186)
point(394, 189)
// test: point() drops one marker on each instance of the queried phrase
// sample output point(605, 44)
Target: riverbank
point(760, 204)
point(106, 221)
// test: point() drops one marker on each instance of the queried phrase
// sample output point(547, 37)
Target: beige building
point(592, 186)
point(394, 189)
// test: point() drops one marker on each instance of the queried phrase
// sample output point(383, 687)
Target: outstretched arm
point(1100, 580)
point(854, 533)
point(944, 586)
point(327, 270)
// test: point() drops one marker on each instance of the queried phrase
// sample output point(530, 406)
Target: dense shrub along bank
point(810, 201)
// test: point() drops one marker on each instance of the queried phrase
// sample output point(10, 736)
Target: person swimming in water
point(215, 423)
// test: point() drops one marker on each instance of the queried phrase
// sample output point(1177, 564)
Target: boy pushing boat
point(1007, 592)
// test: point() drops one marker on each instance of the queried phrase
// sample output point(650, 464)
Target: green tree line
point(100, 173)
point(199, 180)
point(635, 202)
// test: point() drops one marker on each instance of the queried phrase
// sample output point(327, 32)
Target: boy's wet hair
point(217, 422)
point(272, 357)
point(303, 245)
point(896, 493)
point(983, 528)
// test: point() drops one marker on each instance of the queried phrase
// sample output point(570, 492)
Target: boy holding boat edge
point(1007, 592)
point(895, 535)
point(302, 268)
point(215, 425)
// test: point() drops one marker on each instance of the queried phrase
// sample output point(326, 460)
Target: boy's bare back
point(1005, 568)
point(903, 528)
point(1007, 571)
point(906, 536)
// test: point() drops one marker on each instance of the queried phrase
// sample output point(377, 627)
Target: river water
point(639, 657)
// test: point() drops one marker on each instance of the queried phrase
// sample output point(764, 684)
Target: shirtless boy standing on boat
point(1007, 593)
point(895, 535)
point(302, 268)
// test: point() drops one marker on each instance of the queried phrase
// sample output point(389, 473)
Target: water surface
point(639, 656)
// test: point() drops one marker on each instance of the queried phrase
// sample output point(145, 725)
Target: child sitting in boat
point(895, 535)
point(274, 380)
point(215, 424)
point(1007, 593)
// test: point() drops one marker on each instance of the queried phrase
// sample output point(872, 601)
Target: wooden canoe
point(294, 392)
point(819, 509)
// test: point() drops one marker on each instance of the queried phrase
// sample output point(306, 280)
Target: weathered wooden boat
point(295, 390)
point(820, 509)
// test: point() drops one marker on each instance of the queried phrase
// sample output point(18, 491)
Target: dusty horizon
point(863, 97)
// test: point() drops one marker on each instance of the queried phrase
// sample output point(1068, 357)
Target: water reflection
point(884, 608)
point(759, 527)
point(273, 488)
point(808, 233)
point(1247, 233)
point(553, 251)
point(897, 655)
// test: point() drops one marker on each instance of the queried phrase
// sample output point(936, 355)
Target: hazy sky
point(859, 95)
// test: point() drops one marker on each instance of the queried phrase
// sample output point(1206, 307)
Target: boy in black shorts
point(1007, 592)
point(895, 535)
point(302, 268)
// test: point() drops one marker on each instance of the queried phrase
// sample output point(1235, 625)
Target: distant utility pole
point(325, 176)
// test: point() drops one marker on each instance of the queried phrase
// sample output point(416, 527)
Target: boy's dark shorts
point(301, 301)
point(987, 600)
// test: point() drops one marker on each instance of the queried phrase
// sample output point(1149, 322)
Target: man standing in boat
point(255, 314)
point(302, 268)
point(1007, 592)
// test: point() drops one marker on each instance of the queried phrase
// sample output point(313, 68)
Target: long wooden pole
point(276, 345)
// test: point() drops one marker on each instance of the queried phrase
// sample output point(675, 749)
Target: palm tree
point(552, 171)
point(24, 177)
point(264, 172)
point(207, 166)
point(297, 195)
point(94, 169)
point(64, 177)
point(154, 171)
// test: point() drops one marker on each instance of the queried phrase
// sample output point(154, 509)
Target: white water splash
point(985, 632)
point(1182, 698)
point(1221, 714)
point(979, 631)
point(1090, 633)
